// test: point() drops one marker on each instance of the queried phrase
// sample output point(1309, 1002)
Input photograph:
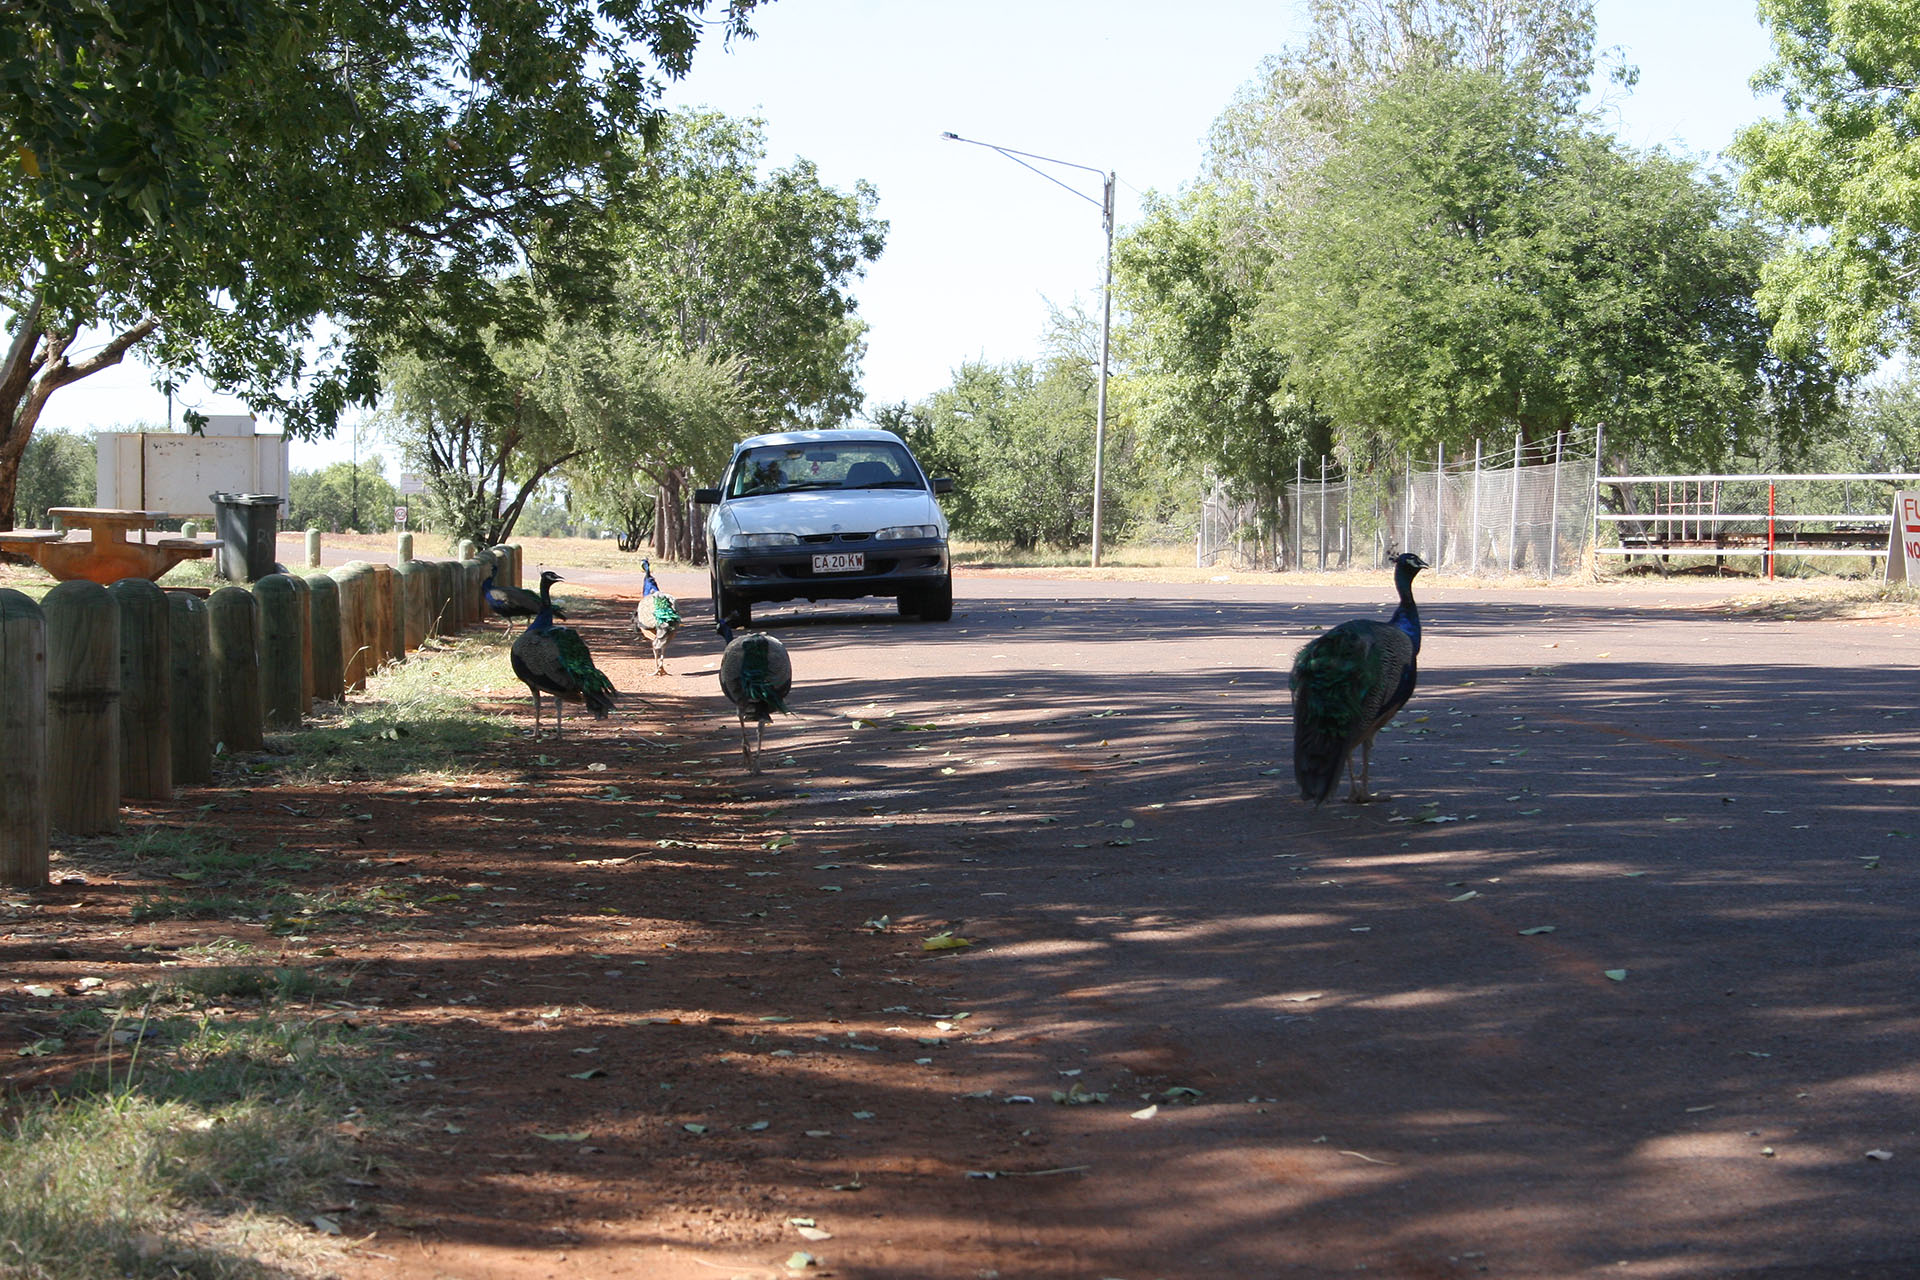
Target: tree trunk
point(35, 366)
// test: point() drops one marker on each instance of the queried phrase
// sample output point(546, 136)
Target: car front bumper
point(760, 574)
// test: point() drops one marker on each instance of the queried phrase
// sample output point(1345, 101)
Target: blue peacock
point(656, 618)
point(1347, 684)
point(512, 602)
point(555, 661)
point(756, 675)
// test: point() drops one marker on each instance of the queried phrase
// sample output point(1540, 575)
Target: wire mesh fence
point(1528, 510)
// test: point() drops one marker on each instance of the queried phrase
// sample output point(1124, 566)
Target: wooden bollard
point(403, 548)
point(353, 580)
point(83, 708)
point(502, 565)
point(447, 599)
point(189, 694)
point(313, 548)
point(233, 657)
point(389, 614)
point(303, 593)
point(464, 551)
point(328, 662)
point(416, 591)
point(23, 727)
point(519, 578)
point(473, 608)
point(280, 646)
point(146, 689)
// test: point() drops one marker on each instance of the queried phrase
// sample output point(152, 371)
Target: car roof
point(849, 435)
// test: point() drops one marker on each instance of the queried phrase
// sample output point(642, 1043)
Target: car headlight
point(907, 531)
point(763, 540)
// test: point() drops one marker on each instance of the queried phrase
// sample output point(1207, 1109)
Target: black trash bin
point(248, 525)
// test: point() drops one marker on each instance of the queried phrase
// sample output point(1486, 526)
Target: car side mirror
point(943, 484)
point(706, 497)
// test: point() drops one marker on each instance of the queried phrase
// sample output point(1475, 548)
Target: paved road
point(1622, 981)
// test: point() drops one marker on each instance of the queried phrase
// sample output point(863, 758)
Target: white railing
point(1692, 517)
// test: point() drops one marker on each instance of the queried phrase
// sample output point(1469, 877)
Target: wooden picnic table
point(104, 555)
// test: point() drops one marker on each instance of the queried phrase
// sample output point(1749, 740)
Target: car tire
point(935, 604)
point(729, 606)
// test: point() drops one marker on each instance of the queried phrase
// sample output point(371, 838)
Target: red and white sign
point(1903, 543)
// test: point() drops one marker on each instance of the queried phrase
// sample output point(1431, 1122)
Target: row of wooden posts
point(110, 694)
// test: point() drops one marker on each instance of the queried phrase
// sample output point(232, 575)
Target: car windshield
point(866, 464)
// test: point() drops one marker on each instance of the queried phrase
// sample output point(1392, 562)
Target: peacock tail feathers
point(757, 676)
point(592, 683)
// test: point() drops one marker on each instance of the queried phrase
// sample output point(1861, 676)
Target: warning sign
point(1903, 542)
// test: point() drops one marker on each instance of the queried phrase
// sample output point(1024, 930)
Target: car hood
point(829, 511)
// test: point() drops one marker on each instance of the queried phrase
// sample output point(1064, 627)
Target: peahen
point(554, 660)
point(656, 618)
point(1347, 684)
point(513, 602)
point(756, 675)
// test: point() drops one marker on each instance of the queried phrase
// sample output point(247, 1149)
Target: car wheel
point(729, 606)
point(935, 604)
point(908, 603)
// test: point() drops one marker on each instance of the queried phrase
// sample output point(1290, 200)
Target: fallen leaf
point(563, 1137)
point(1878, 1154)
point(1144, 1113)
point(1536, 930)
point(944, 942)
point(1618, 975)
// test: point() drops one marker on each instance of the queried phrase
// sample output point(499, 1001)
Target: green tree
point(1018, 440)
point(1842, 166)
point(473, 415)
point(720, 261)
point(211, 181)
point(1210, 386)
point(1289, 118)
point(1476, 263)
point(342, 496)
point(655, 415)
point(57, 470)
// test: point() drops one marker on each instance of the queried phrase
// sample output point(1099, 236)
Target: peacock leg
point(746, 752)
point(1365, 795)
point(536, 715)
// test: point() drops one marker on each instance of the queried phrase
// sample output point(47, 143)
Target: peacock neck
point(1407, 616)
point(544, 619)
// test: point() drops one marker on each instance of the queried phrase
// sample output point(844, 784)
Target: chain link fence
point(1527, 511)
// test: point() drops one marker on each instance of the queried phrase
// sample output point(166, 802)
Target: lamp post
point(1105, 202)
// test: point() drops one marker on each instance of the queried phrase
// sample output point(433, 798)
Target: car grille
point(817, 538)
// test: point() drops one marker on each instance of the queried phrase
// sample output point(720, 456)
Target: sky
point(978, 248)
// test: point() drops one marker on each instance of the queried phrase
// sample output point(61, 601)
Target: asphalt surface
point(1621, 981)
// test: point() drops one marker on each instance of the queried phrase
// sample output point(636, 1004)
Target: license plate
point(840, 562)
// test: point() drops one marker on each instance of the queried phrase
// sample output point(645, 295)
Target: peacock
point(554, 660)
point(513, 602)
point(656, 618)
point(1347, 684)
point(756, 675)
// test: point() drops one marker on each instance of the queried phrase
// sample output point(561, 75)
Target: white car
point(827, 515)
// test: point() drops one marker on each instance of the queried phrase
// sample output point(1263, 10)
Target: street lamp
point(1021, 158)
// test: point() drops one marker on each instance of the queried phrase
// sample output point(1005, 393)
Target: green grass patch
point(193, 1148)
point(417, 718)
